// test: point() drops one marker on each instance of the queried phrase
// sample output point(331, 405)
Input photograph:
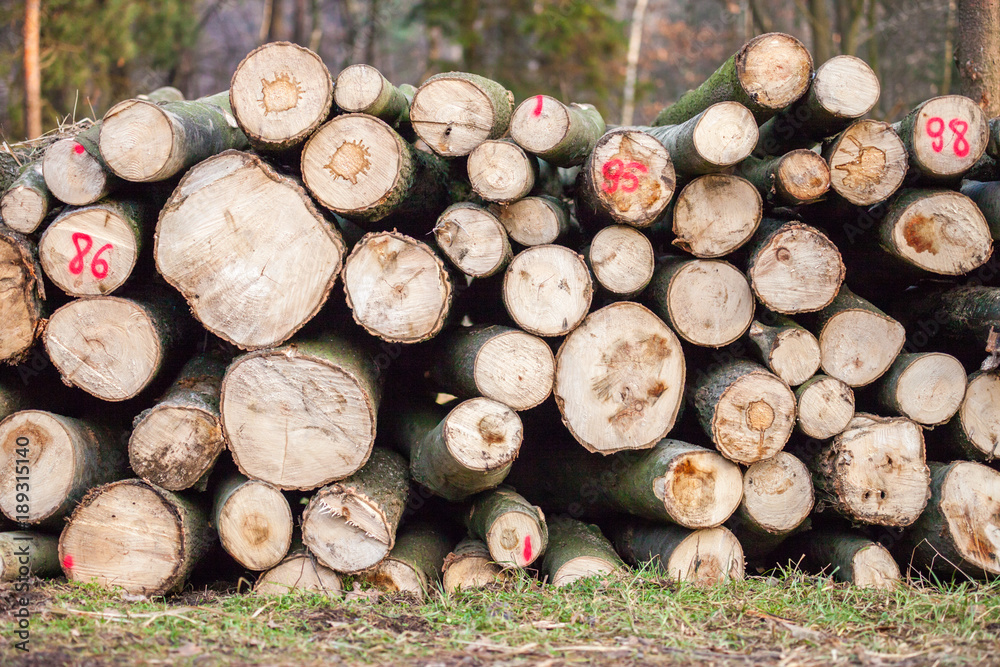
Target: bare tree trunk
point(949, 48)
point(32, 70)
point(978, 53)
point(301, 34)
point(822, 30)
point(372, 31)
point(632, 61)
point(276, 27)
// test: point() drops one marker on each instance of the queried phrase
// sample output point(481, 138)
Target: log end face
point(858, 346)
point(23, 209)
point(299, 572)
point(583, 567)
point(794, 251)
point(255, 525)
point(137, 140)
point(173, 447)
point(970, 503)
point(547, 290)
point(804, 176)
point(345, 531)
point(632, 177)
point(778, 493)
point(775, 70)
point(944, 233)
point(539, 124)
point(716, 214)
point(483, 434)
point(500, 171)
point(533, 221)
point(950, 134)
point(931, 389)
point(358, 87)
point(726, 133)
point(20, 309)
point(846, 87)
point(44, 440)
point(90, 251)
point(622, 259)
point(979, 414)
point(710, 303)
point(874, 567)
point(516, 538)
point(707, 557)
point(825, 408)
point(72, 174)
point(868, 163)
point(754, 417)
point(452, 115)
point(795, 356)
point(516, 369)
point(701, 489)
point(473, 240)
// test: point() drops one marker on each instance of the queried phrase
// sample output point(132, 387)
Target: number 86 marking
point(98, 267)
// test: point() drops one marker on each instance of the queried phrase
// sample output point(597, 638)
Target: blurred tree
point(32, 73)
point(979, 52)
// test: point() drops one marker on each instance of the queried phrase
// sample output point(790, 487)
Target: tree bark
point(444, 104)
point(562, 135)
point(703, 557)
point(717, 138)
point(577, 551)
point(415, 562)
point(37, 552)
point(978, 54)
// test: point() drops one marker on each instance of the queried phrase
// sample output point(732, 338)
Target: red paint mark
point(935, 130)
point(538, 104)
point(78, 149)
point(617, 173)
point(68, 563)
point(527, 549)
point(98, 267)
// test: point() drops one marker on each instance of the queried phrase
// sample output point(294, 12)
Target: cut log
point(851, 558)
point(514, 530)
point(362, 89)
point(944, 137)
point(715, 214)
point(868, 162)
point(359, 167)
point(144, 141)
point(48, 462)
point(621, 259)
point(495, 361)
point(23, 553)
point(470, 450)
point(708, 302)
point(857, 341)
point(280, 94)
point(535, 220)
point(299, 571)
point(248, 250)
point(793, 179)
point(987, 197)
point(974, 431)
point(825, 406)
point(254, 521)
point(767, 74)
point(302, 415)
point(777, 498)
point(844, 89)
point(473, 240)
point(21, 307)
point(787, 349)
point(577, 551)
point(501, 171)
point(27, 201)
point(965, 314)
point(397, 287)
point(718, 137)
point(456, 111)
point(14, 398)
point(176, 443)
point(562, 135)
point(628, 179)
point(469, 565)
point(134, 535)
point(939, 231)
point(925, 387)
point(746, 411)
point(874, 472)
point(350, 526)
point(114, 347)
point(702, 557)
point(547, 290)
point(793, 267)
point(75, 172)
point(620, 379)
point(960, 531)
point(93, 250)
point(415, 562)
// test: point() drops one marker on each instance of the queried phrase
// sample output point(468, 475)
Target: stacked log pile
point(424, 336)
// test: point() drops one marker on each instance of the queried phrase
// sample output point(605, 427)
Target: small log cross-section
point(715, 214)
point(254, 521)
point(825, 406)
point(280, 94)
point(501, 171)
point(362, 89)
point(302, 415)
point(708, 302)
point(788, 350)
point(777, 498)
point(397, 287)
point(27, 201)
point(622, 259)
point(793, 179)
point(415, 562)
point(868, 162)
point(944, 136)
point(134, 535)
point(547, 290)
point(577, 551)
point(620, 379)
point(469, 565)
point(248, 250)
point(748, 412)
point(299, 571)
point(535, 220)
point(925, 387)
point(850, 558)
point(21, 306)
point(561, 135)
point(974, 432)
point(704, 557)
point(36, 552)
point(456, 111)
point(75, 172)
point(514, 530)
point(473, 240)
point(718, 137)
point(351, 525)
point(175, 443)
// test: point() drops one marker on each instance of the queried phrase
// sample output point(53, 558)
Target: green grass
point(637, 618)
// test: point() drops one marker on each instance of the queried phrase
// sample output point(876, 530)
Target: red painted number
point(935, 130)
point(98, 267)
point(539, 101)
point(618, 173)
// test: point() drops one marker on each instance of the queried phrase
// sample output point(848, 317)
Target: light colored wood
point(469, 565)
point(473, 240)
point(777, 494)
point(397, 287)
point(299, 571)
point(23, 552)
point(796, 178)
point(715, 214)
point(254, 521)
point(719, 137)
point(701, 557)
point(535, 220)
point(302, 415)
point(501, 171)
point(562, 135)
point(248, 250)
point(175, 443)
point(362, 89)
point(578, 551)
point(868, 162)
point(620, 379)
point(547, 290)
point(974, 432)
point(280, 93)
point(414, 565)
point(21, 308)
point(628, 179)
point(851, 558)
point(825, 406)
point(747, 411)
point(707, 302)
point(940, 231)
point(27, 201)
point(514, 530)
point(74, 171)
point(925, 387)
point(350, 526)
point(65, 459)
point(621, 259)
point(134, 535)
point(454, 112)
point(794, 267)
point(945, 148)
point(788, 350)
point(874, 472)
